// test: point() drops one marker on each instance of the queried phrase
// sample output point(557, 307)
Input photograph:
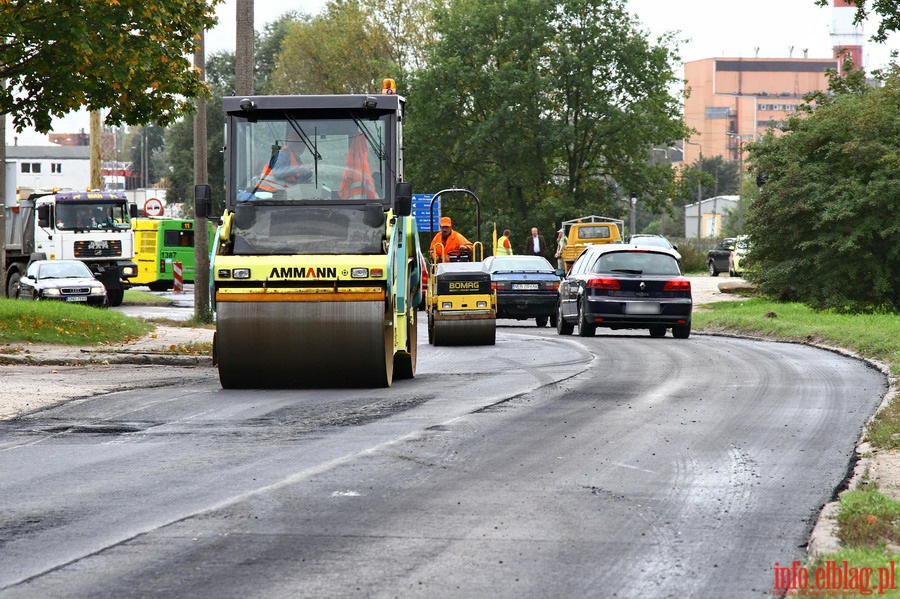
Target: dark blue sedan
point(526, 287)
point(625, 287)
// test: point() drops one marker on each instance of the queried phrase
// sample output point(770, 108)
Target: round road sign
point(153, 207)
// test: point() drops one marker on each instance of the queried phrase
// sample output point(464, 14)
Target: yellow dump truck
point(589, 230)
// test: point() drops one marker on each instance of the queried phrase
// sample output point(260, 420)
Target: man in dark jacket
point(535, 245)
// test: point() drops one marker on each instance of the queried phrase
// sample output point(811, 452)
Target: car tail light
point(499, 285)
point(551, 285)
point(677, 285)
point(603, 283)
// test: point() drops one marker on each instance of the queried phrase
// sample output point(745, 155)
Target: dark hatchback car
point(526, 287)
point(625, 287)
point(62, 280)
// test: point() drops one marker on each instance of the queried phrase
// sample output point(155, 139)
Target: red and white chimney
point(846, 38)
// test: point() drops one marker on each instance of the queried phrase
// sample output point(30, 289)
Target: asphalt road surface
point(613, 466)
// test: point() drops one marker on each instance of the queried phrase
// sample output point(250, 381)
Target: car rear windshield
point(648, 263)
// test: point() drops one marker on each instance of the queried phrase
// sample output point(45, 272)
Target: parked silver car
point(62, 280)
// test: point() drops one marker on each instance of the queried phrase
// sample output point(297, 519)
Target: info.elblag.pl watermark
point(832, 580)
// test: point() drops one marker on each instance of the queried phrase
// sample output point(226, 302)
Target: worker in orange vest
point(447, 241)
point(285, 167)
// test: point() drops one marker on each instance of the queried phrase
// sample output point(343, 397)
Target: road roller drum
point(266, 344)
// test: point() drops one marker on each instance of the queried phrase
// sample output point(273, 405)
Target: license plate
point(76, 298)
point(525, 286)
point(642, 308)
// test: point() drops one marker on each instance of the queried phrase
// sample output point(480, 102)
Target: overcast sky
point(711, 28)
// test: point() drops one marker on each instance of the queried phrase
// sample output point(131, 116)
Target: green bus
point(158, 244)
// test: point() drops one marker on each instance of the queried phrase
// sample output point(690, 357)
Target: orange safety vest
point(268, 182)
point(357, 181)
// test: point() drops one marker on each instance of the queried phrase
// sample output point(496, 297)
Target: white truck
point(91, 226)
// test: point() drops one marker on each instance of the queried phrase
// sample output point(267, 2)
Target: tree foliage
point(545, 108)
point(268, 47)
point(339, 51)
point(826, 223)
point(407, 24)
point(128, 56)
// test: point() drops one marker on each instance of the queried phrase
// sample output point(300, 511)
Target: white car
point(654, 240)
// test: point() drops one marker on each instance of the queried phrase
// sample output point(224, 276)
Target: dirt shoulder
point(38, 376)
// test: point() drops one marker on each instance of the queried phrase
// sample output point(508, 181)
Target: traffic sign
point(421, 209)
point(153, 207)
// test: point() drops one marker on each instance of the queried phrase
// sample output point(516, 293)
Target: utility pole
point(96, 178)
point(202, 310)
point(243, 50)
point(3, 198)
point(699, 190)
point(633, 223)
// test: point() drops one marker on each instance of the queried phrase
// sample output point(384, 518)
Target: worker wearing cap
point(447, 241)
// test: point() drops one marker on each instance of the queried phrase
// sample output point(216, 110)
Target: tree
point(128, 57)
point(546, 108)
point(268, 47)
point(408, 25)
point(825, 224)
point(339, 51)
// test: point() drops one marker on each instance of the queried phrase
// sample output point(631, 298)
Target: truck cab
point(586, 231)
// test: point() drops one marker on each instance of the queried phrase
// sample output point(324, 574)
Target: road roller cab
point(460, 303)
point(316, 267)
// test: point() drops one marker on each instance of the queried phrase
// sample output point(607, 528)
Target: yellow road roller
point(460, 302)
point(316, 266)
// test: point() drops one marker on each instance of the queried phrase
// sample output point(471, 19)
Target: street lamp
point(699, 188)
point(633, 211)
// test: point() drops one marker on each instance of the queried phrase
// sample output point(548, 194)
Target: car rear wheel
point(713, 271)
point(682, 332)
point(657, 331)
point(585, 329)
point(541, 321)
point(562, 327)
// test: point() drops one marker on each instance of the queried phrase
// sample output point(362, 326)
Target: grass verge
point(868, 521)
point(65, 324)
